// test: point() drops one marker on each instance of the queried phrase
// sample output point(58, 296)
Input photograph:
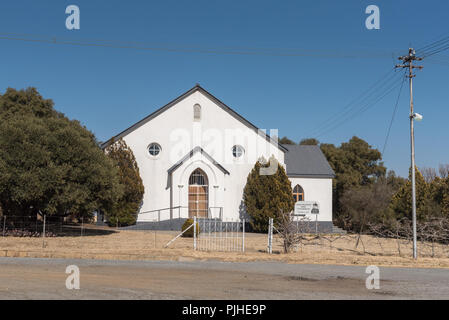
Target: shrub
point(189, 233)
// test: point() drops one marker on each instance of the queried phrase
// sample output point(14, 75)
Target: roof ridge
point(167, 106)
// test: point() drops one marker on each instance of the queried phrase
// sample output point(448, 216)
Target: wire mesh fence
point(217, 235)
point(77, 238)
point(40, 226)
point(433, 240)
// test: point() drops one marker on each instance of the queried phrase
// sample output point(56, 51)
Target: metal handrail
point(149, 211)
point(220, 215)
point(209, 212)
point(164, 209)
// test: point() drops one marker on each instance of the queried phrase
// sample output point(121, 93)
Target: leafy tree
point(265, 196)
point(355, 164)
point(362, 205)
point(126, 209)
point(439, 193)
point(48, 163)
point(394, 181)
point(286, 140)
point(402, 200)
point(309, 142)
point(444, 202)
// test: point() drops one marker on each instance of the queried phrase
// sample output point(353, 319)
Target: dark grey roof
point(307, 161)
point(197, 87)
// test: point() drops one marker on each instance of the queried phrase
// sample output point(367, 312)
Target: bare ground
point(111, 244)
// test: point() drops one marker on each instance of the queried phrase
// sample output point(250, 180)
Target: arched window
point(298, 193)
point(197, 112)
point(198, 177)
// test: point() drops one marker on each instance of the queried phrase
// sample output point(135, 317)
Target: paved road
point(27, 278)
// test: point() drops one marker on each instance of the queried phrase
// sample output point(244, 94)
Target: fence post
point(194, 233)
point(243, 236)
point(4, 225)
point(82, 225)
point(43, 232)
point(270, 235)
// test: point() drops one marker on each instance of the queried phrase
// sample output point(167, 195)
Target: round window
point(154, 149)
point(237, 151)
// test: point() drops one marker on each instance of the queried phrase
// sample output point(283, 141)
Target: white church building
point(195, 153)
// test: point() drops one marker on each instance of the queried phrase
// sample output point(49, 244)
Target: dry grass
point(139, 245)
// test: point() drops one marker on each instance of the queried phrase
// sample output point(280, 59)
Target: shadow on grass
point(76, 230)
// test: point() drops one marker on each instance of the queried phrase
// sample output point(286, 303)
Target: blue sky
point(108, 89)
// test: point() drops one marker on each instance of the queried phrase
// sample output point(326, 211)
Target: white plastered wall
point(319, 190)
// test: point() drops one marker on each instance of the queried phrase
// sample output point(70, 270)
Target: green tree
point(285, 140)
point(362, 205)
point(444, 200)
point(48, 163)
point(125, 211)
point(439, 194)
point(402, 201)
point(394, 181)
point(309, 142)
point(355, 164)
point(265, 196)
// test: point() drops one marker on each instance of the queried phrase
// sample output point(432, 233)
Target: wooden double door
point(198, 194)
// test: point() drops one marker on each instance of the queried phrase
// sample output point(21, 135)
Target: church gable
point(196, 112)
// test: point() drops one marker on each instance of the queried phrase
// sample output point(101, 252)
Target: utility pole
point(408, 63)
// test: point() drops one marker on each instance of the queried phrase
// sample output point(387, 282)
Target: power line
point(441, 49)
point(347, 108)
point(365, 107)
point(353, 107)
point(433, 44)
point(191, 49)
point(434, 47)
point(393, 116)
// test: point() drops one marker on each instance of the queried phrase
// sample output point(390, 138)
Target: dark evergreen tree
point(125, 211)
point(266, 196)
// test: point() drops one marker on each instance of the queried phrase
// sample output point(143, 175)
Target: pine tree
point(125, 211)
point(266, 196)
